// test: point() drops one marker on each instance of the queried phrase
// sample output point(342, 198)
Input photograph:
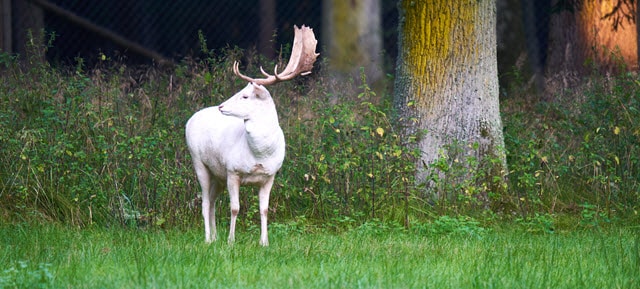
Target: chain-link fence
point(546, 33)
point(171, 28)
point(136, 31)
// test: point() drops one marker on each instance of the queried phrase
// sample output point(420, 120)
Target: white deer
point(240, 141)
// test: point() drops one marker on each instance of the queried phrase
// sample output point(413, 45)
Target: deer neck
point(264, 135)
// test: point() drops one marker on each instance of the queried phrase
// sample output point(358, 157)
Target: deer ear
point(260, 90)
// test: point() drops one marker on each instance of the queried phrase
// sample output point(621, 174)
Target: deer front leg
point(263, 195)
point(233, 185)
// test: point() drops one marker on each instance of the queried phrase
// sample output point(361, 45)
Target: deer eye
point(245, 96)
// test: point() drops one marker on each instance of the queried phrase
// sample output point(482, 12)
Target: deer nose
point(220, 107)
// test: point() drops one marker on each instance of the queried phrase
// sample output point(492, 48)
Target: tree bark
point(611, 37)
point(28, 24)
point(446, 89)
point(6, 28)
point(267, 28)
point(353, 37)
point(590, 36)
point(637, 34)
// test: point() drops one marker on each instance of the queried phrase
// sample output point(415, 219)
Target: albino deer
point(240, 141)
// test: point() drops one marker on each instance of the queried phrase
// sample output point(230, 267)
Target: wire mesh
point(91, 28)
point(171, 28)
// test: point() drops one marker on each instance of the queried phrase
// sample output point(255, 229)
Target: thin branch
point(117, 39)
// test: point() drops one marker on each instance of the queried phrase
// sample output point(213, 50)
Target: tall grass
point(105, 145)
point(369, 256)
point(578, 153)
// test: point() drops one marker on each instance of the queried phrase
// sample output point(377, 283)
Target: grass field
point(52, 256)
point(97, 188)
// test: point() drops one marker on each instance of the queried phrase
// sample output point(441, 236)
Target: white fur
point(236, 143)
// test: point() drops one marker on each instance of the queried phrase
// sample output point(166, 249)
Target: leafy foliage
point(581, 149)
point(105, 145)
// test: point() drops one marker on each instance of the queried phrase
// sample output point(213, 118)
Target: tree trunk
point(585, 36)
point(6, 29)
point(267, 28)
point(604, 25)
point(637, 34)
point(446, 89)
point(353, 37)
point(28, 23)
point(536, 30)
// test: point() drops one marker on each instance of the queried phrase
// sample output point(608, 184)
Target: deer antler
point(303, 55)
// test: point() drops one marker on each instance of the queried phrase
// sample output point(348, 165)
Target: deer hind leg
point(209, 193)
point(215, 190)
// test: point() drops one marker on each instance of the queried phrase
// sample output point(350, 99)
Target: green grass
point(52, 256)
point(101, 150)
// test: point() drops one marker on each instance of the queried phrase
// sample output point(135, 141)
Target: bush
point(581, 148)
point(106, 146)
point(99, 147)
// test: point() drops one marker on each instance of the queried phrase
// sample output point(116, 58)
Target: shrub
point(581, 148)
point(106, 145)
